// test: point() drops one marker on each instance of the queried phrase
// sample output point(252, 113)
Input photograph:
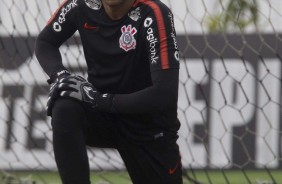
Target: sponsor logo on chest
point(153, 41)
point(127, 40)
point(173, 36)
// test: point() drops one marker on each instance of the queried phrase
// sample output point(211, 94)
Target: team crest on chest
point(127, 40)
point(94, 4)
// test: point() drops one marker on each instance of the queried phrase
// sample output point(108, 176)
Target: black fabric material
point(69, 142)
point(75, 128)
point(161, 96)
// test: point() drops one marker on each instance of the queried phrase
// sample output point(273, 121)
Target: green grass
point(205, 177)
point(53, 178)
point(237, 176)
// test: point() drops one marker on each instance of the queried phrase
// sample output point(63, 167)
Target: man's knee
point(67, 115)
point(67, 106)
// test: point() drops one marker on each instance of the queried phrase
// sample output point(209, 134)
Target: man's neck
point(118, 11)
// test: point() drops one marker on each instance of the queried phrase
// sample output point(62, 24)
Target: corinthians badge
point(127, 40)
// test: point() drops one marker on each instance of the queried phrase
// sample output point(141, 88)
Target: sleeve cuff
point(105, 102)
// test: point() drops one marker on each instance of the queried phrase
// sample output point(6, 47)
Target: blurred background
point(229, 94)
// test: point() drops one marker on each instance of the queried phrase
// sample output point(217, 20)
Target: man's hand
point(78, 88)
point(54, 92)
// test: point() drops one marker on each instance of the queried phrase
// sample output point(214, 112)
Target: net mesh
point(229, 94)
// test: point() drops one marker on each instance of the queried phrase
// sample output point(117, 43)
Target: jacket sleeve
point(161, 96)
point(59, 28)
point(163, 55)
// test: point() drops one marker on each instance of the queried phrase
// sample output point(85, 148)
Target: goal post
point(229, 93)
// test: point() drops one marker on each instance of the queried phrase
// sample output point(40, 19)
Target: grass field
point(204, 177)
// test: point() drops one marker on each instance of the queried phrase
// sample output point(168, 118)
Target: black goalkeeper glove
point(78, 88)
point(54, 92)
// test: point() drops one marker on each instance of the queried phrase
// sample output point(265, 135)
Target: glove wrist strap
point(105, 102)
point(58, 75)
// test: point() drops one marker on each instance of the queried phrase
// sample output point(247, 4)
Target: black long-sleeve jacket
point(136, 57)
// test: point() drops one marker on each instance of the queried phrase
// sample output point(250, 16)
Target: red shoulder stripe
point(162, 33)
point(54, 14)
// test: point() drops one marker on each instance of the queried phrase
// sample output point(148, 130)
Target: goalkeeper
point(129, 100)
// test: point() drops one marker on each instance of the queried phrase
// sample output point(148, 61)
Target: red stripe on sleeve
point(162, 33)
point(54, 14)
